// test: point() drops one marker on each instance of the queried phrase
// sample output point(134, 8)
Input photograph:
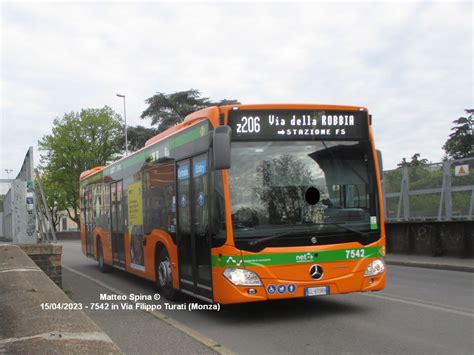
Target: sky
point(409, 63)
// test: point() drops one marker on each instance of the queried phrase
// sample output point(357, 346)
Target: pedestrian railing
point(430, 192)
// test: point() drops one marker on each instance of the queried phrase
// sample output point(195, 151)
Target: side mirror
point(221, 147)
point(379, 158)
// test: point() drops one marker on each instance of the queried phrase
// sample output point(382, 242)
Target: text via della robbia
point(130, 302)
point(298, 124)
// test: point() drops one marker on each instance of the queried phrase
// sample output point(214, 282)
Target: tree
point(137, 137)
point(78, 142)
point(417, 168)
point(167, 110)
point(415, 161)
point(55, 198)
point(460, 143)
point(2, 198)
point(284, 184)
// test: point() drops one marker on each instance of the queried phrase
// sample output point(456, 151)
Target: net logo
point(304, 258)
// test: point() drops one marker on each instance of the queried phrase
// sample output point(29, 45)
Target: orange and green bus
point(245, 203)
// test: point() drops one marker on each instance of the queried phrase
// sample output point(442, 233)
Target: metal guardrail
point(433, 192)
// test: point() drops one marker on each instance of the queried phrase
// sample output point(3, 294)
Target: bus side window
point(113, 198)
point(159, 199)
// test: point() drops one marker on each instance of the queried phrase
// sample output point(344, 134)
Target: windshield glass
point(272, 182)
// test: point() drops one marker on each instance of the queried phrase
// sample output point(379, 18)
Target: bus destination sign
point(298, 125)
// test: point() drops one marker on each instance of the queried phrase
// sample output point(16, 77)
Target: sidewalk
point(38, 317)
point(431, 262)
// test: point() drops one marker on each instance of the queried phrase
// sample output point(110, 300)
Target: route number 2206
point(249, 125)
point(355, 253)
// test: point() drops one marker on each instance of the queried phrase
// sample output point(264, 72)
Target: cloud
point(409, 63)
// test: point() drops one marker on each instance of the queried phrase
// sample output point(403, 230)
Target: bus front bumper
point(273, 288)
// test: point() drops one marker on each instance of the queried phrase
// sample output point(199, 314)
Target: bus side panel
point(159, 236)
point(105, 238)
point(128, 258)
point(149, 272)
point(83, 239)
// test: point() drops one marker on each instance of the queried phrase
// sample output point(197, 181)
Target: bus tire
point(164, 276)
point(103, 267)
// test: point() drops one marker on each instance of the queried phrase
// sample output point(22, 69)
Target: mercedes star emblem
point(316, 271)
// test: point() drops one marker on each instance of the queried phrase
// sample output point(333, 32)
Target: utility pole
point(125, 119)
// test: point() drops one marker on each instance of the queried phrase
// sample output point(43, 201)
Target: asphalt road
point(421, 311)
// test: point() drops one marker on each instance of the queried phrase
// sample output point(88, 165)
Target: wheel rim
point(164, 273)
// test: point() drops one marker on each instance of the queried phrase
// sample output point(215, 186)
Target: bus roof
point(302, 106)
point(201, 114)
point(215, 111)
point(90, 172)
point(189, 120)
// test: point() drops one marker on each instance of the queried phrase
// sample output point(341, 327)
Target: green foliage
point(424, 205)
point(55, 197)
point(460, 143)
point(415, 161)
point(392, 180)
point(167, 110)
point(423, 176)
point(78, 142)
point(137, 137)
point(420, 175)
point(283, 188)
point(2, 197)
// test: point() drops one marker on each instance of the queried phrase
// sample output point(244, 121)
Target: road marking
point(208, 342)
point(20, 270)
point(92, 336)
point(429, 265)
point(421, 303)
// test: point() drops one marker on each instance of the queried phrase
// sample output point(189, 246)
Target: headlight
point(375, 267)
point(241, 277)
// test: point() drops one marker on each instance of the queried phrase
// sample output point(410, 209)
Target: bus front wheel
point(164, 279)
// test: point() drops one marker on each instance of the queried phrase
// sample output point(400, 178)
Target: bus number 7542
point(355, 253)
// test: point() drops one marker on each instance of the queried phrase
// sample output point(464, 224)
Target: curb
point(204, 340)
point(424, 265)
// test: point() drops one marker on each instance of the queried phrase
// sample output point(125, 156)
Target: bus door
point(117, 224)
point(88, 222)
point(194, 249)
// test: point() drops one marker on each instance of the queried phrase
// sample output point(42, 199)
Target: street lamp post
point(8, 171)
point(125, 119)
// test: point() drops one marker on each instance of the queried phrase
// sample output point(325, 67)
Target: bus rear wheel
point(103, 267)
point(164, 276)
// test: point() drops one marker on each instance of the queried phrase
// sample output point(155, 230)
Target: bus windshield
point(269, 184)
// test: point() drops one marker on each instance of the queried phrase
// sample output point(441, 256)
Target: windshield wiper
point(312, 230)
point(283, 234)
point(363, 234)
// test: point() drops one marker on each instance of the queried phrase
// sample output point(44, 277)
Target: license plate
point(316, 291)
